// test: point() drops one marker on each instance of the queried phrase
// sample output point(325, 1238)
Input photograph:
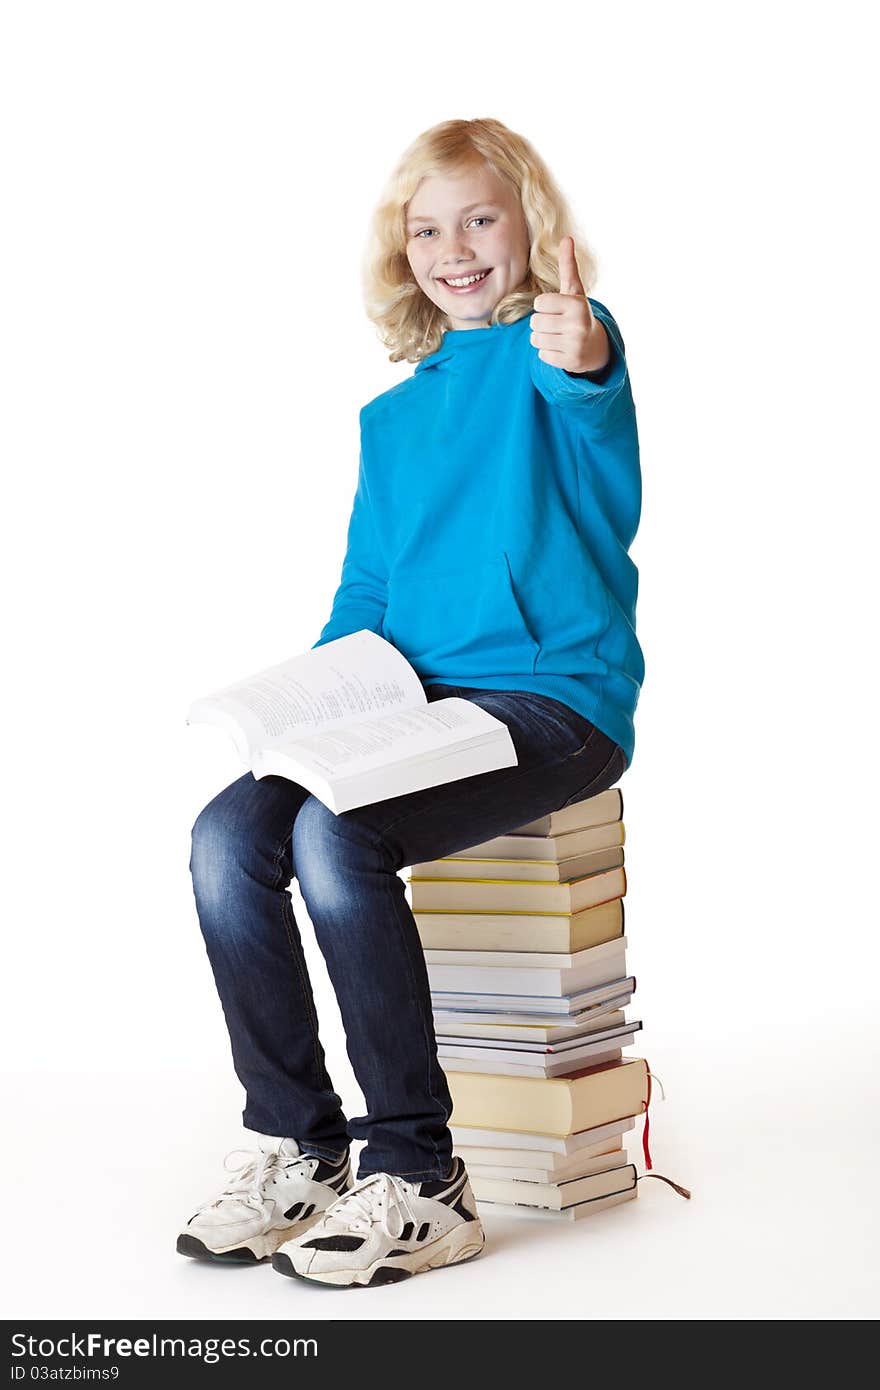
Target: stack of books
point(526, 955)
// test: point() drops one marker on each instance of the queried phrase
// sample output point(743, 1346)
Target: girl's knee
point(329, 852)
point(215, 832)
point(213, 854)
point(228, 841)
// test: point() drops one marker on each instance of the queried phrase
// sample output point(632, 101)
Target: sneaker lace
point(377, 1198)
point(251, 1177)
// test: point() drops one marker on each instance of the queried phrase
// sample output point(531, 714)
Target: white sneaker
point(386, 1229)
point(277, 1193)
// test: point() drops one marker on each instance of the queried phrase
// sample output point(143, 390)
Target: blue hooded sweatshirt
point(496, 502)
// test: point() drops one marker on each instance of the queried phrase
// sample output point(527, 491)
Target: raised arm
point(577, 355)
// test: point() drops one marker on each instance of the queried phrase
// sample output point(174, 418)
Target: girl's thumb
point(569, 279)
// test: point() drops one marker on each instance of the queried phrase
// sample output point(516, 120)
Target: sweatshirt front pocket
point(462, 621)
point(571, 614)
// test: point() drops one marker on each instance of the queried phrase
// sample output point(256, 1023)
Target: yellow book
point(517, 931)
point(495, 895)
point(596, 810)
point(546, 846)
point(558, 1105)
point(483, 870)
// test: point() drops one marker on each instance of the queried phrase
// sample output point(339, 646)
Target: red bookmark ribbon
point(648, 1163)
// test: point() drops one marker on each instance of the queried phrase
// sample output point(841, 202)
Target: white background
point(184, 356)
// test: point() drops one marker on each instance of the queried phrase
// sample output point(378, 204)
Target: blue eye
point(479, 218)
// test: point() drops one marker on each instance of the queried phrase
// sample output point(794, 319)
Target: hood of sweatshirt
point(457, 341)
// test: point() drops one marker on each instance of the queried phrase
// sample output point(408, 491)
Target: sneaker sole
point(256, 1252)
point(460, 1246)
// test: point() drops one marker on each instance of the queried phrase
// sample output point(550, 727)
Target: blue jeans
point(255, 835)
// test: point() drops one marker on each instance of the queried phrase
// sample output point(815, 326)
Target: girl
point(498, 494)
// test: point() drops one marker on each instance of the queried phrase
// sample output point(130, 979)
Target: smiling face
point(464, 225)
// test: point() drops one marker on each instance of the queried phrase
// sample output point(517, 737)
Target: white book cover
point(576, 1168)
point(560, 1006)
point(469, 1136)
point(509, 1050)
point(599, 965)
point(537, 1165)
point(478, 1008)
point(350, 722)
point(530, 1039)
point(535, 1067)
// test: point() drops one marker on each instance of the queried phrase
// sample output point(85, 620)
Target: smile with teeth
point(464, 282)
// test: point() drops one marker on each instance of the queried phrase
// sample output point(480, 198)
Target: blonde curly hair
point(408, 323)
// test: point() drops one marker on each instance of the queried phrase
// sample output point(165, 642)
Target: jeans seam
point(618, 753)
point(319, 1152)
point(591, 737)
point(422, 1175)
point(393, 883)
point(395, 901)
point(287, 908)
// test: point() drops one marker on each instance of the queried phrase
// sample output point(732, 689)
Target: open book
point(351, 723)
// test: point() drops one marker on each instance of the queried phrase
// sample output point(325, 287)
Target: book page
point(354, 678)
point(415, 734)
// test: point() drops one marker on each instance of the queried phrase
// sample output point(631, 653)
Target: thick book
point(597, 861)
point(519, 1164)
point(616, 1177)
point(512, 931)
point(572, 1213)
point(598, 965)
point(557, 1105)
point(530, 1035)
point(539, 1067)
point(520, 895)
point(529, 1008)
point(539, 1147)
point(595, 810)
point(350, 722)
point(544, 847)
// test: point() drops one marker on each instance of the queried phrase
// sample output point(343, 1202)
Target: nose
point(457, 256)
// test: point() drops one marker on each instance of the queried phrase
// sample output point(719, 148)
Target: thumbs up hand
point(564, 328)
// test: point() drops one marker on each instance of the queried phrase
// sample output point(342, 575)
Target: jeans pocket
point(555, 723)
point(602, 780)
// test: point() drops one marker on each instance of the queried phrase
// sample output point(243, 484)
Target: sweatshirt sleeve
point(592, 395)
point(361, 597)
